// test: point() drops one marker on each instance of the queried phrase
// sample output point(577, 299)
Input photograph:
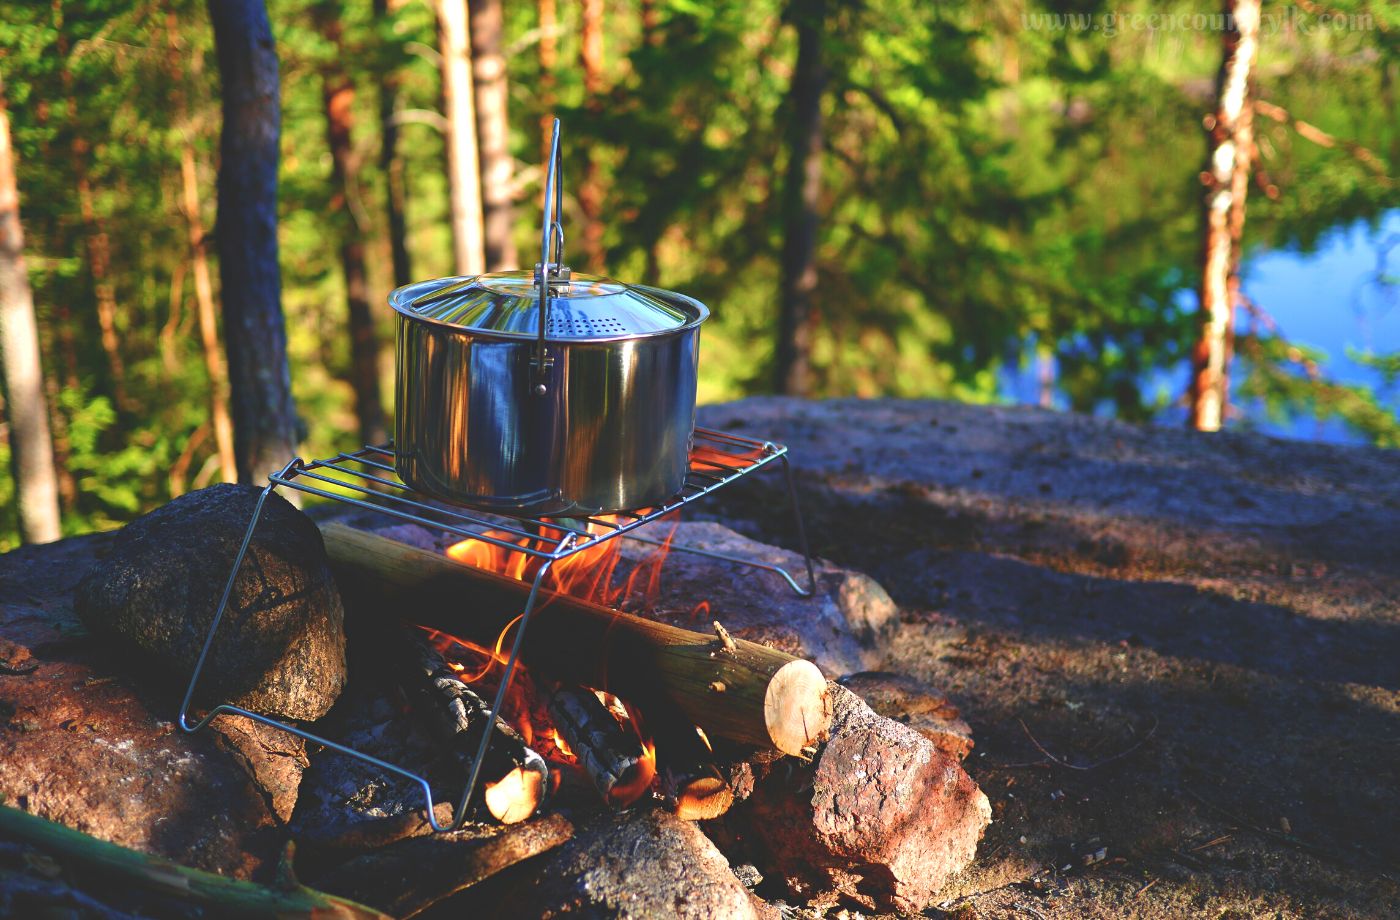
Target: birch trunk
point(493, 134)
point(463, 169)
point(1226, 178)
point(31, 445)
point(264, 415)
point(801, 193)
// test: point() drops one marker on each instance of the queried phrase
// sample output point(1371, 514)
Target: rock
point(642, 863)
point(914, 703)
point(838, 628)
point(280, 649)
point(886, 473)
point(880, 817)
point(84, 744)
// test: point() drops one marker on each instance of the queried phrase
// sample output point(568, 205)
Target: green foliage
point(1288, 381)
point(988, 182)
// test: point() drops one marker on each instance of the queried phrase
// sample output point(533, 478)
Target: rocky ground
point(1180, 654)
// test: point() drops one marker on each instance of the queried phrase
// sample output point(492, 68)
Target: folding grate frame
point(365, 478)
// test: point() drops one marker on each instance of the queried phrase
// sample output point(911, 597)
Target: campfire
point(585, 733)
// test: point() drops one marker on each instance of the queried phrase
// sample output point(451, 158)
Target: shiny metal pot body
point(611, 431)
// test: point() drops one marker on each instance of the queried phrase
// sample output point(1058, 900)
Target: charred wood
point(410, 876)
point(515, 778)
point(612, 757)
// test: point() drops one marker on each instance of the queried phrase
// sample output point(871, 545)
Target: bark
point(1226, 177)
point(612, 757)
point(590, 190)
point(338, 99)
point(392, 164)
point(264, 416)
point(651, 24)
point(549, 57)
point(493, 133)
point(515, 779)
point(410, 876)
point(801, 190)
point(463, 171)
point(31, 445)
point(126, 871)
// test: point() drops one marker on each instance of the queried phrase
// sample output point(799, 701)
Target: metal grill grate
point(365, 478)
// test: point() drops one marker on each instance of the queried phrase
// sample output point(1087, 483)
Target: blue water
point(1343, 296)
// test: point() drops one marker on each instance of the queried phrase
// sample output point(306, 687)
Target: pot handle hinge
point(550, 271)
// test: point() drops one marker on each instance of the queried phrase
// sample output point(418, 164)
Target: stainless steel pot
point(545, 393)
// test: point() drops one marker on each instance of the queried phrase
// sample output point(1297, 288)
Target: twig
point(1096, 764)
point(1145, 888)
point(1320, 137)
point(1020, 905)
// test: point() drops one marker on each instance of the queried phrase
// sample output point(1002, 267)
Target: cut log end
point(703, 798)
point(797, 708)
point(516, 796)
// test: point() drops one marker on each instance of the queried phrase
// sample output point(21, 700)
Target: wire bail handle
point(551, 268)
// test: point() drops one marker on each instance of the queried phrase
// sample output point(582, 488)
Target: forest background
point(996, 188)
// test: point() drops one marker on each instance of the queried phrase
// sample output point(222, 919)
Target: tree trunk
point(801, 190)
point(590, 190)
point(493, 134)
point(651, 24)
point(208, 323)
point(1226, 177)
point(98, 244)
point(392, 164)
point(264, 417)
point(462, 167)
point(549, 57)
point(338, 96)
point(199, 258)
point(31, 446)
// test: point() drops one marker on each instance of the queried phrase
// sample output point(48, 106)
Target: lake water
point(1334, 299)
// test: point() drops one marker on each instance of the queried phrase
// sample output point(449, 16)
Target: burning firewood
point(516, 778)
point(615, 759)
point(691, 783)
point(740, 691)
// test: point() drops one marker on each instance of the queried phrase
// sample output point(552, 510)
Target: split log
point(516, 778)
point(410, 876)
point(125, 870)
point(612, 757)
point(741, 691)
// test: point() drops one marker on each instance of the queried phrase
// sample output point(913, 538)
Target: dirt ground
point(1180, 654)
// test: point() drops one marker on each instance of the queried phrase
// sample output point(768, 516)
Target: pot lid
point(581, 307)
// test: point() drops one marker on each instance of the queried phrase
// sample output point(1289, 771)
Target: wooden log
point(515, 778)
point(736, 690)
point(116, 865)
point(691, 783)
point(410, 876)
point(612, 757)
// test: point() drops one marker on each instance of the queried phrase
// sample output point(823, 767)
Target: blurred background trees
point(972, 200)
